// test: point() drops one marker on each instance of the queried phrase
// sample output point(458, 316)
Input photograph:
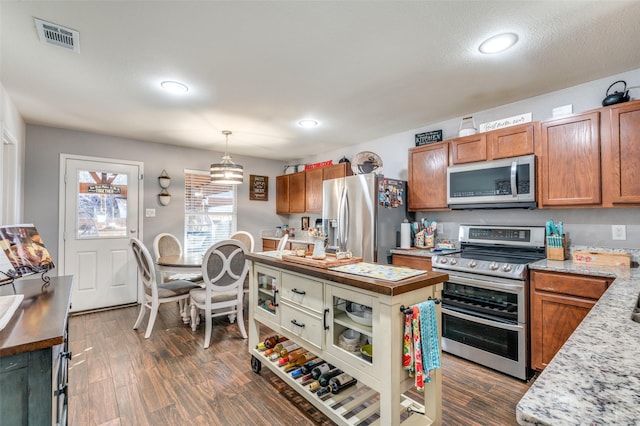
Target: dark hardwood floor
point(117, 377)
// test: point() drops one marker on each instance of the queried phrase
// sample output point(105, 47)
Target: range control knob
point(443, 260)
point(454, 262)
point(493, 266)
point(506, 267)
point(473, 264)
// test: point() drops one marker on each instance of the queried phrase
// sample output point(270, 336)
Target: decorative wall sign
point(505, 122)
point(104, 188)
point(304, 225)
point(428, 137)
point(259, 188)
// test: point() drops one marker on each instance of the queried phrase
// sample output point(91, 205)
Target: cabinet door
point(570, 161)
point(269, 245)
point(427, 181)
point(336, 171)
point(553, 318)
point(282, 194)
point(266, 286)
point(350, 312)
point(415, 262)
point(469, 149)
point(297, 193)
point(313, 190)
point(621, 155)
point(511, 141)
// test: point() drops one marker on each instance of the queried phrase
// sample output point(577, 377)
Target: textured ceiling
point(364, 69)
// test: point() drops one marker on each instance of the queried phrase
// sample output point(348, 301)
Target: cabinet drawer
point(575, 285)
point(415, 262)
point(302, 324)
point(303, 291)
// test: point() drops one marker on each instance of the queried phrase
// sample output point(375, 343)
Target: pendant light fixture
point(226, 172)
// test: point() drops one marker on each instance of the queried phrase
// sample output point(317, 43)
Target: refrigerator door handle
point(343, 220)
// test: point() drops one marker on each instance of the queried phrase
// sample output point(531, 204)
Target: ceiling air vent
point(58, 36)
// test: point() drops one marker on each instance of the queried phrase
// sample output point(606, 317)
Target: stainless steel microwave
point(504, 183)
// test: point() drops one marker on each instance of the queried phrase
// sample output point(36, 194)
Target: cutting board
point(328, 262)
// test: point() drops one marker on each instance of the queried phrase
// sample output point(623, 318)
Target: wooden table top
point(181, 260)
point(41, 319)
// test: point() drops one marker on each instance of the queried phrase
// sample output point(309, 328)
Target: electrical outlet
point(150, 213)
point(440, 228)
point(618, 232)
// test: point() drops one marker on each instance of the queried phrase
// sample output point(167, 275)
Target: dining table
point(182, 267)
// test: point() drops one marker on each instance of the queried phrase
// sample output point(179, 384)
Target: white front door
point(101, 214)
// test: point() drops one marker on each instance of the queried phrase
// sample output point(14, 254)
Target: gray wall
point(45, 144)
point(590, 227)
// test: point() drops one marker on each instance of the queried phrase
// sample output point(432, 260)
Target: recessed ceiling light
point(308, 123)
point(174, 87)
point(498, 43)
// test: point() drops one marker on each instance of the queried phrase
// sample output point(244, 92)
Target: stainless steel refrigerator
point(362, 214)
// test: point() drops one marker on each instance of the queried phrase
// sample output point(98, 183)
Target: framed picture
point(304, 223)
point(259, 188)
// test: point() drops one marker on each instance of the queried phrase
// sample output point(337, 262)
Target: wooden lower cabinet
point(415, 262)
point(559, 302)
point(269, 245)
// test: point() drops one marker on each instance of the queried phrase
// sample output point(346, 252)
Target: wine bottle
point(290, 356)
point(319, 370)
point(325, 377)
point(307, 367)
point(288, 349)
point(324, 390)
point(280, 347)
point(296, 362)
point(268, 343)
point(341, 382)
point(314, 386)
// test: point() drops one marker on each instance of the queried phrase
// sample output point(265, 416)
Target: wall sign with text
point(428, 137)
point(259, 188)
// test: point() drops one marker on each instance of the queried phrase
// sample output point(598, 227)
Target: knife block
point(557, 253)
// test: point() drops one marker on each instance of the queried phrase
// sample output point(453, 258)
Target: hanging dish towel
point(421, 352)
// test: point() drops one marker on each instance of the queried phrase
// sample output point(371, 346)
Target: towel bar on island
point(409, 310)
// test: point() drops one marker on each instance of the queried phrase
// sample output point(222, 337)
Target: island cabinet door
point(265, 295)
point(351, 321)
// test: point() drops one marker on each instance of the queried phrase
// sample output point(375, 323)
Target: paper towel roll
point(405, 235)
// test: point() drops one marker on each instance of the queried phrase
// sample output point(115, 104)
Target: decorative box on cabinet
point(559, 303)
point(569, 167)
point(621, 155)
point(427, 177)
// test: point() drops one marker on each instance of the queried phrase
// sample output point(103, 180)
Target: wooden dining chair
point(224, 268)
point(155, 293)
point(247, 239)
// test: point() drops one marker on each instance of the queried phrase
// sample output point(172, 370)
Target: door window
point(102, 204)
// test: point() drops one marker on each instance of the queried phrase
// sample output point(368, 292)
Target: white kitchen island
point(308, 305)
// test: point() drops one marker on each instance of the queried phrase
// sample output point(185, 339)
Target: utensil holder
point(555, 252)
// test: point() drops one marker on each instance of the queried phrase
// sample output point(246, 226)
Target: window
point(209, 211)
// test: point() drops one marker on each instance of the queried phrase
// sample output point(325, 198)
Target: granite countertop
point(416, 252)
point(595, 377)
point(296, 239)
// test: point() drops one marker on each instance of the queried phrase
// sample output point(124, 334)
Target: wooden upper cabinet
point(427, 178)
point(313, 185)
point(469, 149)
point(621, 155)
point(569, 171)
point(511, 141)
point(282, 194)
point(297, 192)
point(336, 171)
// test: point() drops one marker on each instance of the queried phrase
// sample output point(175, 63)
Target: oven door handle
point(511, 327)
point(510, 288)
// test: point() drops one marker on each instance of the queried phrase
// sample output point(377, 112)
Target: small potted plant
point(164, 180)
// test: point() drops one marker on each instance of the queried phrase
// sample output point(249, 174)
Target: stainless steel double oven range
point(485, 302)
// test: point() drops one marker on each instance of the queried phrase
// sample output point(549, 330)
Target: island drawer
point(303, 291)
point(302, 324)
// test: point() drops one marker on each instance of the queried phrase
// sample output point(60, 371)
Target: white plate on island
point(8, 307)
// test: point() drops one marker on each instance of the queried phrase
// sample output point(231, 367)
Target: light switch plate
point(150, 213)
point(618, 232)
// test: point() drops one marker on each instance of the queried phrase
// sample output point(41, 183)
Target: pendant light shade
point(227, 172)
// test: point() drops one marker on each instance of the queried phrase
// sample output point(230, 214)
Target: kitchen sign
point(428, 137)
point(505, 122)
point(258, 188)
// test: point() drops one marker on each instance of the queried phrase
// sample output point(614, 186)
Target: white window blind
point(209, 211)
